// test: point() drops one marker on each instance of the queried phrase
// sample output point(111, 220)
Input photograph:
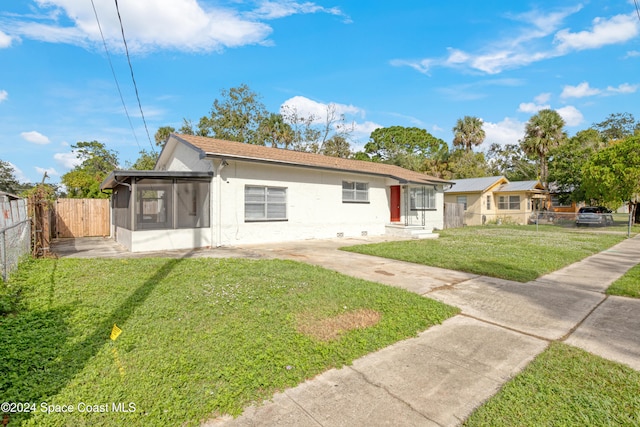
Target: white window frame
point(509, 203)
point(355, 192)
point(267, 214)
point(416, 198)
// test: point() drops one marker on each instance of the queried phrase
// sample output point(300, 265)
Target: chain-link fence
point(15, 235)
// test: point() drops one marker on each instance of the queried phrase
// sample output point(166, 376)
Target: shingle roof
point(473, 185)
point(236, 150)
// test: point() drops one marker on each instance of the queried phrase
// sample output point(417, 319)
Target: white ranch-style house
point(207, 192)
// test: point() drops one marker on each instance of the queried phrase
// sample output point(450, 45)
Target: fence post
point(4, 255)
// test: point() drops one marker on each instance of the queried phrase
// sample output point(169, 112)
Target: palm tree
point(468, 132)
point(543, 131)
point(273, 130)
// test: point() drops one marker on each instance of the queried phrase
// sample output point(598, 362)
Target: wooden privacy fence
point(453, 215)
point(82, 218)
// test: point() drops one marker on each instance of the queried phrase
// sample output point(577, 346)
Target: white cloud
point(305, 107)
point(35, 137)
point(571, 115)
point(4, 95)
point(282, 9)
point(632, 54)
point(149, 25)
point(532, 107)
point(50, 171)
point(617, 29)
point(67, 160)
point(538, 38)
point(543, 98)
point(623, 88)
point(580, 91)
point(583, 90)
point(508, 131)
point(17, 172)
point(5, 40)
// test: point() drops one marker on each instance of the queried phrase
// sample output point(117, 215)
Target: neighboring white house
point(207, 192)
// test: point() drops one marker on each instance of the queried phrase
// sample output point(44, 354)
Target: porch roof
point(120, 176)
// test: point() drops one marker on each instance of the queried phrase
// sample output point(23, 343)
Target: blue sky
point(381, 63)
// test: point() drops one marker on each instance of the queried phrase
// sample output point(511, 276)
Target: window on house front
point(355, 191)
point(462, 200)
point(509, 203)
point(422, 198)
point(488, 203)
point(265, 203)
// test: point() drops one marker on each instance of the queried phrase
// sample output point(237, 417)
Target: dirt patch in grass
point(330, 328)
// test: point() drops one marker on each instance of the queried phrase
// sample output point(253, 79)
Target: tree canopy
point(612, 175)
point(84, 180)
point(8, 181)
point(468, 133)
point(234, 117)
point(543, 132)
point(406, 147)
point(618, 126)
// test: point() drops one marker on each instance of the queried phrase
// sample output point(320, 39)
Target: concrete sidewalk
point(439, 377)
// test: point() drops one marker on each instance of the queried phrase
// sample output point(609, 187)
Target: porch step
point(415, 232)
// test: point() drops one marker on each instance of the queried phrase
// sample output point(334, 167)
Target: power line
point(124, 105)
point(637, 9)
point(126, 48)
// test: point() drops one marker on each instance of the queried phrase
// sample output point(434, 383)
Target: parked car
point(594, 215)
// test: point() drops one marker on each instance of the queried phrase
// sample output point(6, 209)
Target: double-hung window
point(509, 203)
point(462, 200)
point(422, 198)
point(353, 191)
point(265, 203)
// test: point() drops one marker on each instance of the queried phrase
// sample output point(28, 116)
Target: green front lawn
point(628, 285)
point(200, 337)
point(509, 252)
point(565, 386)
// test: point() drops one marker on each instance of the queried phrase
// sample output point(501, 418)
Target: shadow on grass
point(36, 359)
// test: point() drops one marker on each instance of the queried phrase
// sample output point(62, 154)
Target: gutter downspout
point(218, 169)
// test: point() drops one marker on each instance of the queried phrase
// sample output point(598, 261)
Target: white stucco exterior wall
point(315, 209)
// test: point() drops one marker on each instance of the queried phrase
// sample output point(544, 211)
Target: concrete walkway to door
point(438, 378)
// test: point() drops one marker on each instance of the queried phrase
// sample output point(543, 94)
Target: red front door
point(395, 203)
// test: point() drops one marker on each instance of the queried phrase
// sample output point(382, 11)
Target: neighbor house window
point(265, 203)
point(558, 202)
point(488, 203)
point(509, 203)
point(462, 200)
point(355, 191)
point(422, 198)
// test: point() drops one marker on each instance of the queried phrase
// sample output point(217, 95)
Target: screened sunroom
point(160, 210)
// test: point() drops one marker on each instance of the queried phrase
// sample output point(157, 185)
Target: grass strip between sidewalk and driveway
point(519, 253)
point(628, 285)
point(200, 337)
point(565, 386)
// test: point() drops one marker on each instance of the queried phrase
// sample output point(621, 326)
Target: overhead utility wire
point(114, 76)
point(126, 48)
point(637, 9)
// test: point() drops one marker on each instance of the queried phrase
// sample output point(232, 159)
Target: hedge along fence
point(15, 234)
